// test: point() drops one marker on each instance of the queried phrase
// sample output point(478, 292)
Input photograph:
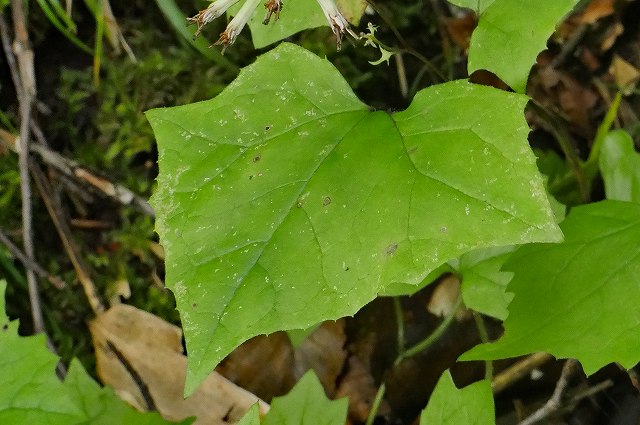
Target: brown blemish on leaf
point(391, 249)
point(257, 158)
point(326, 201)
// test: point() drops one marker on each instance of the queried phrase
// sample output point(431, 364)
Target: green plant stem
point(562, 136)
point(435, 335)
point(376, 404)
point(418, 348)
point(591, 166)
point(484, 337)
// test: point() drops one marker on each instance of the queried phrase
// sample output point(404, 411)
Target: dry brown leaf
point(262, 365)
point(360, 387)
point(140, 356)
point(596, 10)
point(624, 74)
point(323, 351)
point(460, 29)
point(444, 296)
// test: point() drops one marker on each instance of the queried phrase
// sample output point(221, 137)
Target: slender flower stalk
point(339, 25)
point(215, 10)
point(237, 23)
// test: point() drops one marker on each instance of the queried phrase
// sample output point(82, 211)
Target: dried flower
point(215, 10)
point(272, 6)
point(237, 23)
point(339, 25)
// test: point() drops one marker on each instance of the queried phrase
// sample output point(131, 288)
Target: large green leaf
point(32, 394)
point(285, 201)
point(620, 167)
point(577, 299)
point(510, 35)
point(472, 405)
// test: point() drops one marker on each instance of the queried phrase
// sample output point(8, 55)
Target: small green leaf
point(252, 417)
point(577, 299)
point(284, 201)
point(30, 391)
point(32, 394)
point(472, 405)
point(510, 35)
point(484, 283)
point(620, 167)
point(307, 404)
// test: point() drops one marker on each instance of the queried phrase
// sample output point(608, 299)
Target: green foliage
point(577, 299)
point(510, 35)
point(484, 283)
point(278, 217)
point(31, 392)
point(472, 405)
point(620, 167)
point(306, 404)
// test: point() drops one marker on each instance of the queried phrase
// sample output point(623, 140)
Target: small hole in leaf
point(194, 305)
point(257, 158)
point(267, 128)
point(5, 327)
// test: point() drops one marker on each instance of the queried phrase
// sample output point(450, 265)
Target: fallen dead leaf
point(360, 387)
point(624, 74)
point(323, 351)
point(262, 365)
point(444, 296)
point(140, 356)
point(596, 10)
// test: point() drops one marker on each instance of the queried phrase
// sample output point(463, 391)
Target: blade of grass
point(55, 21)
point(61, 13)
point(97, 51)
point(178, 20)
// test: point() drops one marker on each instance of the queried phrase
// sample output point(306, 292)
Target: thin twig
point(555, 402)
point(26, 90)
point(402, 75)
point(28, 263)
point(518, 371)
point(64, 232)
point(77, 172)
